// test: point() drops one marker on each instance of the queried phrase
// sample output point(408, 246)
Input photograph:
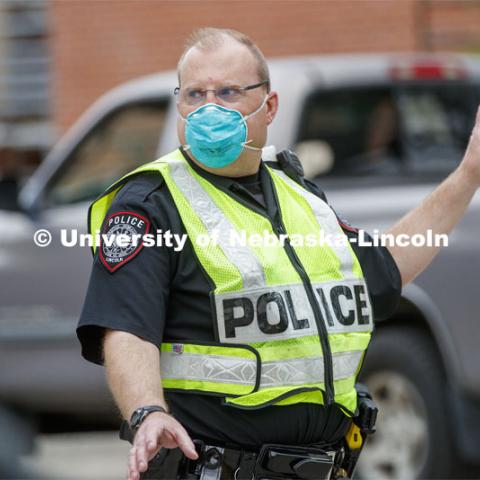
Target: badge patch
point(177, 348)
point(121, 239)
point(346, 225)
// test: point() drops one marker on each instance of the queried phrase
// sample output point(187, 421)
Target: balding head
point(210, 39)
point(215, 60)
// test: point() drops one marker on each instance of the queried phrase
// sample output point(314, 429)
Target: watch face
point(140, 413)
point(136, 417)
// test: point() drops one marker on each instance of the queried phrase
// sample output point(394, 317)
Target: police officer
point(233, 343)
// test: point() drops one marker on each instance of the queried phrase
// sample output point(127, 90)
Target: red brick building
point(98, 44)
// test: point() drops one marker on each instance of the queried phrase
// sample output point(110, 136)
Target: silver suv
point(377, 133)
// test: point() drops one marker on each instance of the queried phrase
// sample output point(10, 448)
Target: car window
point(419, 128)
point(437, 121)
point(126, 138)
point(348, 129)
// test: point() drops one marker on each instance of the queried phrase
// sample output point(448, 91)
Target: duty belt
point(272, 462)
point(276, 462)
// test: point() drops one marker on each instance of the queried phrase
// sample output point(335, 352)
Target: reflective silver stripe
point(216, 222)
point(278, 373)
point(208, 368)
point(328, 222)
point(300, 371)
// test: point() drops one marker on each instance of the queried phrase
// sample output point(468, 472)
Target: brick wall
point(98, 44)
point(452, 25)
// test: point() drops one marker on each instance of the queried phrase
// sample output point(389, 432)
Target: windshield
point(387, 130)
point(436, 121)
point(121, 141)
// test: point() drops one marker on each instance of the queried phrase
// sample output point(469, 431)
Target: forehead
point(230, 62)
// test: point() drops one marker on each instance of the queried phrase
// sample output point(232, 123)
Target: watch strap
point(139, 415)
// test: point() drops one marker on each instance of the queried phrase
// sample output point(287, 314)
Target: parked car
point(377, 133)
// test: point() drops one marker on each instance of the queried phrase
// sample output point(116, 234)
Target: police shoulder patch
point(346, 225)
point(122, 238)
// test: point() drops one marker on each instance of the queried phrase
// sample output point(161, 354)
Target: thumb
point(186, 444)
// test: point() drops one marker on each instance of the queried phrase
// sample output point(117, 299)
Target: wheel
point(405, 377)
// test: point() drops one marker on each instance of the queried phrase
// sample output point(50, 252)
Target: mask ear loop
point(249, 147)
point(245, 118)
point(185, 146)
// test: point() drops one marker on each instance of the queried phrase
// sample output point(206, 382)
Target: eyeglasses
point(195, 96)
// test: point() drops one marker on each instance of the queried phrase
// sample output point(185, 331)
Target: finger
point(170, 436)
point(185, 443)
point(168, 439)
point(141, 453)
point(152, 442)
point(132, 465)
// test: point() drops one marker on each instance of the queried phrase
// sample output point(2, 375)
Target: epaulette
point(290, 164)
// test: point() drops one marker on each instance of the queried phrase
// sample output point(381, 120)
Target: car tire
point(406, 379)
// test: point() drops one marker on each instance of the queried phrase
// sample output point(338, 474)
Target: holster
point(367, 410)
point(363, 424)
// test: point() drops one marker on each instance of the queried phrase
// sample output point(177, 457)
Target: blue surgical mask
point(217, 135)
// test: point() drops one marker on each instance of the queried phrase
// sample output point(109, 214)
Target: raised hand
point(471, 160)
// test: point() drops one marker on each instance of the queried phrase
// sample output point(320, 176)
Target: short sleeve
point(129, 283)
point(379, 268)
point(381, 274)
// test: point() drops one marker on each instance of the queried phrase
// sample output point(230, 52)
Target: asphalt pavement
point(79, 456)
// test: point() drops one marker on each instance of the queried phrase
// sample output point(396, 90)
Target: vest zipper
point(279, 228)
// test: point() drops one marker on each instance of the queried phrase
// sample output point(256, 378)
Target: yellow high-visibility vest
point(293, 321)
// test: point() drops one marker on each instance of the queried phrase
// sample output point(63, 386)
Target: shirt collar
point(231, 186)
point(224, 182)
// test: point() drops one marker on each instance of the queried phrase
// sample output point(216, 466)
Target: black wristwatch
point(140, 414)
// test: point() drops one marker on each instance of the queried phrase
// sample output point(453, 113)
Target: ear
point(272, 106)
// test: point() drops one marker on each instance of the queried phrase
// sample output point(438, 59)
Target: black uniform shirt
point(162, 294)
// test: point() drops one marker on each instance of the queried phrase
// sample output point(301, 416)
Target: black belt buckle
point(277, 462)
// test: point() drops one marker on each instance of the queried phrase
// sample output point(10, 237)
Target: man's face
point(231, 64)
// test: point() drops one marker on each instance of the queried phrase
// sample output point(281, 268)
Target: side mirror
point(316, 157)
